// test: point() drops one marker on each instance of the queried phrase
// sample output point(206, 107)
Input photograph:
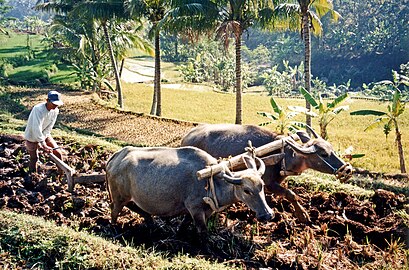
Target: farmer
point(38, 131)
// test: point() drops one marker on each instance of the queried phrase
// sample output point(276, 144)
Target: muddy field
point(345, 233)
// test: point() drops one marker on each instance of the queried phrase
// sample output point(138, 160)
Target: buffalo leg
point(288, 194)
point(118, 202)
point(132, 206)
point(199, 218)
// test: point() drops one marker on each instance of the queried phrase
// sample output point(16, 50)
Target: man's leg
point(32, 149)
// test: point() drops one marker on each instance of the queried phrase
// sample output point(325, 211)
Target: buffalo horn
point(303, 135)
point(306, 151)
point(232, 180)
point(313, 131)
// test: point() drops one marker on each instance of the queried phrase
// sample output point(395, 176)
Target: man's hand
point(45, 147)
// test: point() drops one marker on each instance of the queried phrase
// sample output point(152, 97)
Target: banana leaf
point(303, 110)
point(338, 100)
point(377, 123)
point(368, 112)
point(269, 115)
point(340, 109)
point(275, 106)
point(309, 98)
point(357, 155)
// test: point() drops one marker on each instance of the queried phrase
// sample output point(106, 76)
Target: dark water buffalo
point(224, 140)
point(163, 182)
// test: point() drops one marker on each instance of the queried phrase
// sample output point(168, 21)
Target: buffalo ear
point(273, 159)
point(250, 162)
point(304, 137)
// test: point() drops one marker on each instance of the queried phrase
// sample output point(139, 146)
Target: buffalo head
point(249, 187)
point(317, 154)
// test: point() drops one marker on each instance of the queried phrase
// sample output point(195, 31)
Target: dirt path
point(80, 111)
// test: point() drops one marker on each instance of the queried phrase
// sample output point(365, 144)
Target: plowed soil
point(345, 232)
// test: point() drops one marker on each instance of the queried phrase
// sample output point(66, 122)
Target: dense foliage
point(371, 39)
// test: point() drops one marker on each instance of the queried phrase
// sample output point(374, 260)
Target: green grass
point(213, 107)
point(29, 241)
point(26, 69)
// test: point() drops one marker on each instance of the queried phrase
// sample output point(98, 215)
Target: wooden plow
point(74, 177)
point(237, 161)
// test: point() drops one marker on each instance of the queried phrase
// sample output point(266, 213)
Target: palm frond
point(316, 24)
point(268, 115)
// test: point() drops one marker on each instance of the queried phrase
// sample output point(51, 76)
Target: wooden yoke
point(238, 160)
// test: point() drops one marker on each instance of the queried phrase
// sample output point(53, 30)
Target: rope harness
point(211, 198)
point(283, 171)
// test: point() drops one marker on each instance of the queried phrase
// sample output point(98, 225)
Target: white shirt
point(40, 122)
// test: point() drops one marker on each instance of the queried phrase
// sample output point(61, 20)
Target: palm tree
point(171, 16)
point(236, 17)
point(125, 37)
point(104, 11)
point(154, 11)
point(304, 16)
point(80, 38)
point(108, 14)
point(231, 19)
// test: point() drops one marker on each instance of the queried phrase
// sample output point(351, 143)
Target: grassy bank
point(43, 245)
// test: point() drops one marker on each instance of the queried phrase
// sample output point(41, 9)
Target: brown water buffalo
point(163, 182)
point(224, 140)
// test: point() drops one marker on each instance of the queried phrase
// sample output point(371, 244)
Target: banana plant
point(283, 118)
point(389, 120)
point(326, 111)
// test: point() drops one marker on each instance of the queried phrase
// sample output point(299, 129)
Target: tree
point(390, 119)
point(4, 8)
point(230, 19)
point(236, 17)
point(104, 11)
point(154, 11)
point(81, 22)
point(326, 111)
point(283, 118)
point(176, 16)
point(302, 15)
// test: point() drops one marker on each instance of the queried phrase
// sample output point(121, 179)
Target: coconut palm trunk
point(400, 149)
point(307, 57)
point(156, 108)
point(113, 62)
point(121, 68)
point(239, 109)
